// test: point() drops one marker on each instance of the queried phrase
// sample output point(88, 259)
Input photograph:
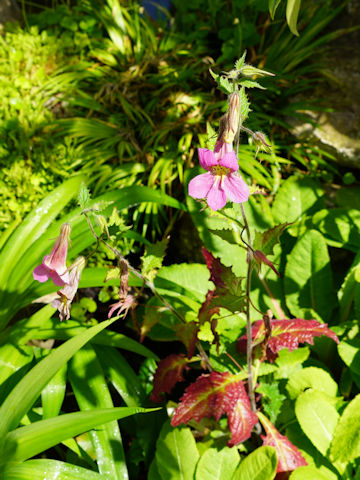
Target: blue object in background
point(151, 7)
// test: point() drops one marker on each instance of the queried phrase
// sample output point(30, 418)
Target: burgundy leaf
point(289, 456)
point(287, 334)
point(213, 395)
point(168, 373)
point(228, 292)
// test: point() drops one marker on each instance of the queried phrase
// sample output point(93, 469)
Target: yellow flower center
point(220, 170)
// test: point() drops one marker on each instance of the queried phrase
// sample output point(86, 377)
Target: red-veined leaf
point(169, 373)
point(213, 395)
point(286, 334)
point(289, 456)
point(228, 291)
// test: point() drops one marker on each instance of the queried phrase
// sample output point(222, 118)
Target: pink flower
point(67, 294)
point(221, 182)
point(54, 265)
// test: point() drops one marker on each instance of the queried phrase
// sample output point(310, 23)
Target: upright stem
point(248, 319)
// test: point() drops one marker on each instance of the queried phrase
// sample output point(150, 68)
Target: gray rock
point(9, 12)
point(338, 131)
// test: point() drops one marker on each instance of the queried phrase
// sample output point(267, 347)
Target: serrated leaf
point(292, 13)
point(266, 241)
point(289, 456)
point(187, 334)
point(244, 105)
point(259, 465)
point(168, 373)
point(84, 196)
point(225, 85)
point(286, 334)
point(153, 258)
point(250, 84)
point(176, 453)
point(240, 63)
point(317, 417)
point(271, 399)
point(228, 293)
point(217, 464)
point(112, 274)
point(213, 395)
point(308, 277)
point(211, 137)
point(345, 446)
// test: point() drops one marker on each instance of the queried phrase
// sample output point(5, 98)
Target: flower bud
point(232, 118)
point(249, 71)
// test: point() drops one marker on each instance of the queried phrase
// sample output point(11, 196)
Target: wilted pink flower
point(67, 294)
point(221, 182)
point(54, 265)
point(123, 306)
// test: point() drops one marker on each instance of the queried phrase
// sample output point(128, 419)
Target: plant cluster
point(258, 403)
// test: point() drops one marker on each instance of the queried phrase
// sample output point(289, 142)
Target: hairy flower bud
point(233, 117)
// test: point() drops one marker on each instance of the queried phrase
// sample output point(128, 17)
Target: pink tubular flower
point(221, 182)
point(67, 294)
point(54, 265)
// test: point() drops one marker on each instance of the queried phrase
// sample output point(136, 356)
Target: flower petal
point(216, 197)
point(58, 280)
point(229, 160)
point(41, 273)
point(200, 186)
point(206, 158)
point(235, 188)
point(222, 148)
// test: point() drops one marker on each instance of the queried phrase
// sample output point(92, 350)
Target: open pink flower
point(67, 294)
point(221, 182)
point(54, 265)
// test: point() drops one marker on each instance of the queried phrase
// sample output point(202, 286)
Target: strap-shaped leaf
point(23, 396)
point(26, 442)
point(55, 470)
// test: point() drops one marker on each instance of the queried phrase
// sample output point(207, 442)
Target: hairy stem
point(148, 283)
point(248, 319)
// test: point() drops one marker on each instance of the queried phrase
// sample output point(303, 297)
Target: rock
point(9, 12)
point(338, 132)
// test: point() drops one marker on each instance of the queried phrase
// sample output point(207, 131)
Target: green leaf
point(121, 375)
point(23, 396)
point(273, 4)
point(317, 417)
point(259, 465)
point(349, 351)
point(240, 63)
point(91, 392)
point(266, 241)
point(244, 105)
point(217, 464)
point(295, 197)
point(340, 227)
point(49, 469)
point(290, 362)
point(84, 196)
point(349, 293)
point(308, 278)
point(53, 395)
point(345, 446)
point(176, 453)
point(311, 377)
point(292, 12)
point(153, 258)
point(28, 441)
point(15, 360)
point(312, 473)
